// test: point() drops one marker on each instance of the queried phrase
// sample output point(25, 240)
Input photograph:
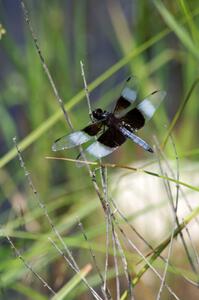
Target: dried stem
point(115, 263)
point(96, 296)
point(125, 264)
point(71, 261)
point(44, 65)
point(192, 245)
point(86, 91)
point(146, 261)
point(106, 292)
point(41, 203)
point(174, 205)
point(107, 252)
point(18, 254)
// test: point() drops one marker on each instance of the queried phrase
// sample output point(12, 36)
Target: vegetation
point(70, 237)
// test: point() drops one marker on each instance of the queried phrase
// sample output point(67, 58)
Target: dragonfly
point(111, 129)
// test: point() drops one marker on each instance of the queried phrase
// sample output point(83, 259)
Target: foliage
point(158, 42)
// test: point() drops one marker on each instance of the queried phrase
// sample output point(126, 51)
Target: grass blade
point(69, 286)
point(176, 27)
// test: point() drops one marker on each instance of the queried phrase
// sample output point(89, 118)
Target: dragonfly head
point(99, 114)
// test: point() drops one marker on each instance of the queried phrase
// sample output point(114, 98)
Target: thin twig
point(18, 254)
point(177, 173)
point(131, 226)
point(125, 265)
point(146, 261)
point(175, 217)
point(44, 65)
point(110, 218)
point(196, 284)
point(192, 244)
point(115, 263)
point(174, 206)
point(71, 260)
point(40, 202)
point(107, 292)
point(166, 266)
point(107, 251)
point(60, 102)
point(78, 272)
point(91, 251)
point(104, 176)
point(103, 173)
point(169, 193)
point(126, 167)
point(119, 247)
point(190, 208)
point(177, 195)
point(91, 174)
point(86, 91)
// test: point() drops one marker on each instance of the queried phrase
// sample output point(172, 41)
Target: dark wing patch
point(107, 143)
point(134, 118)
point(121, 104)
point(77, 138)
point(93, 129)
point(128, 95)
point(112, 137)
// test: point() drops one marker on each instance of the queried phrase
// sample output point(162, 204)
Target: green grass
point(146, 49)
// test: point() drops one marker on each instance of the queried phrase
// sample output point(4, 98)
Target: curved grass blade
point(176, 27)
point(72, 283)
point(158, 250)
point(179, 112)
point(108, 165)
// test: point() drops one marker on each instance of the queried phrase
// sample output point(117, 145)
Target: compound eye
point(97, 114)
point(99, 111)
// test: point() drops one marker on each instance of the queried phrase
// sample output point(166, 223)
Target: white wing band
point(129, 94)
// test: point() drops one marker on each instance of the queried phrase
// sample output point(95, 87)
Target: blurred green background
point(157, 41)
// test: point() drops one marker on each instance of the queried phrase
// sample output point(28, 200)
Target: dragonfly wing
point(78, 137)
point(128, 95)
point(143, 112)
point(108, 142)
point(136, 139)
point(150, 104)
point(71, 140)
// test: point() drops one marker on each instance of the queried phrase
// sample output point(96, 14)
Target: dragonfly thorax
point(99, 114)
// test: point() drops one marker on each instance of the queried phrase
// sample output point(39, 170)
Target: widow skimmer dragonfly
point(114, 128)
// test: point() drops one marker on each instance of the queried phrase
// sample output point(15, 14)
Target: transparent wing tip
point(164, 93)
point(161, 93)
point(54, 148)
